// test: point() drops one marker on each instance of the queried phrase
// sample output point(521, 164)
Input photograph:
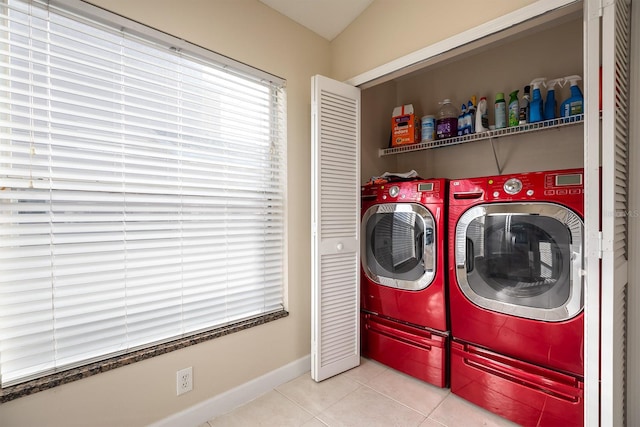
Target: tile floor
point(369, 395)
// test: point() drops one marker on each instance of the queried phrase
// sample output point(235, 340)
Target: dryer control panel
point(420, 191)
point(565, 186)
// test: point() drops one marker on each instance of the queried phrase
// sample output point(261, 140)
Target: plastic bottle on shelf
point(428, 128)
point(471, 110)
point(536, 106)
point(482, 119)
point(500, 111)
point(462, 120)
point(551, 105)
point(447, 120)
point(572, 105)
point(523, 109)
point(466, 120)
point(514, 108)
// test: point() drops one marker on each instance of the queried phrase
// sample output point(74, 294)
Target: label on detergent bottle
point(447, 128)
point(574, 108)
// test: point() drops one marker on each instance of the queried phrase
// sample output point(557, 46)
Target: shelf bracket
point(495, 156)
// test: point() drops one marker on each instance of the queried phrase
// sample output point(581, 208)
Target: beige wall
point(390, 29)
point(145, 392)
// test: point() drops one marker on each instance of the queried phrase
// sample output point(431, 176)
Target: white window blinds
point(141, 193)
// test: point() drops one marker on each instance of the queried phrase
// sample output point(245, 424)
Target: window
point(141, 194)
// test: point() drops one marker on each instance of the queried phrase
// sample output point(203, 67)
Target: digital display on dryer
point(426, 186)
point(570, 179)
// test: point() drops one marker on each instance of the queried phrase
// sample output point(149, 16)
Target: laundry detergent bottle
point(574, 104)
point(536, 106)
point(551, 105)
point(447, 120)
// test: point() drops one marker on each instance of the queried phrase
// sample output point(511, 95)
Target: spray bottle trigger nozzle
point(560, 82)
point(535, 83)
point(573, 80)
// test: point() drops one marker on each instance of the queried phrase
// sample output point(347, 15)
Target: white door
point(605, 300)
point(335, 225)
point(616, 39)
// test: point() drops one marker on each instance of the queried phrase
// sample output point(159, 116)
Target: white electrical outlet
point(184, 380)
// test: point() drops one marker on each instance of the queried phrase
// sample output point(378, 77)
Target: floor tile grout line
point(361, 386)
point(340, 400)
point(388, 369)
point(439, 405)
point(394, 399)
point(320, 421)
point(296, 403)
point(437, 422)
point(316, 416)
point(397, 401)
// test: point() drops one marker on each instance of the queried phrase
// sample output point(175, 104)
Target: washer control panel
point(421, 191)
point(553, 185)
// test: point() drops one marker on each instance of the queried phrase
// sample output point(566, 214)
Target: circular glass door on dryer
point(399, 245)
point(521, 259)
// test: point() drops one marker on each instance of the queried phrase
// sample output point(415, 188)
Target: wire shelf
point(515, 130)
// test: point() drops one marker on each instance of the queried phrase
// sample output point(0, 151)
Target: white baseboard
point(225, 402)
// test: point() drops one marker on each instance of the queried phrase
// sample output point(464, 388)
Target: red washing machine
point(516, 295)
point(404, 313)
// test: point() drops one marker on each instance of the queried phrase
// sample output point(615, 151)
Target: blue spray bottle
point(536, 107)
point(572, 105)
point(551, 105)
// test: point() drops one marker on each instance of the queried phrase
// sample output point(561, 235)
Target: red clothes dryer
point(404, 315)
point(516, 295)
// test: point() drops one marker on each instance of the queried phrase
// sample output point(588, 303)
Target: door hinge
point(600, 248)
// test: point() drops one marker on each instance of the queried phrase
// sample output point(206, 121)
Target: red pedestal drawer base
point(523, 393)
point(416, 352)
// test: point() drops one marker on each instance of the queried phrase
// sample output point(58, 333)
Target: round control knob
point(339, 246)
point(394, 191)
point(529, 193)
point(512, 186)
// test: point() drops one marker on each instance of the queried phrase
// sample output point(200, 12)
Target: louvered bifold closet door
point(335, 214)
point(616, 31)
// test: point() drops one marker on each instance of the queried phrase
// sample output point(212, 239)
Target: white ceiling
point(324, 17)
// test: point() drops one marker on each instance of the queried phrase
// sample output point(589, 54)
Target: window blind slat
point(142, 191)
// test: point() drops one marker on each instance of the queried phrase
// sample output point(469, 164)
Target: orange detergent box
point(405, 126)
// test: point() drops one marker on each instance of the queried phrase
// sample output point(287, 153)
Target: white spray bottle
point(482, 120)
